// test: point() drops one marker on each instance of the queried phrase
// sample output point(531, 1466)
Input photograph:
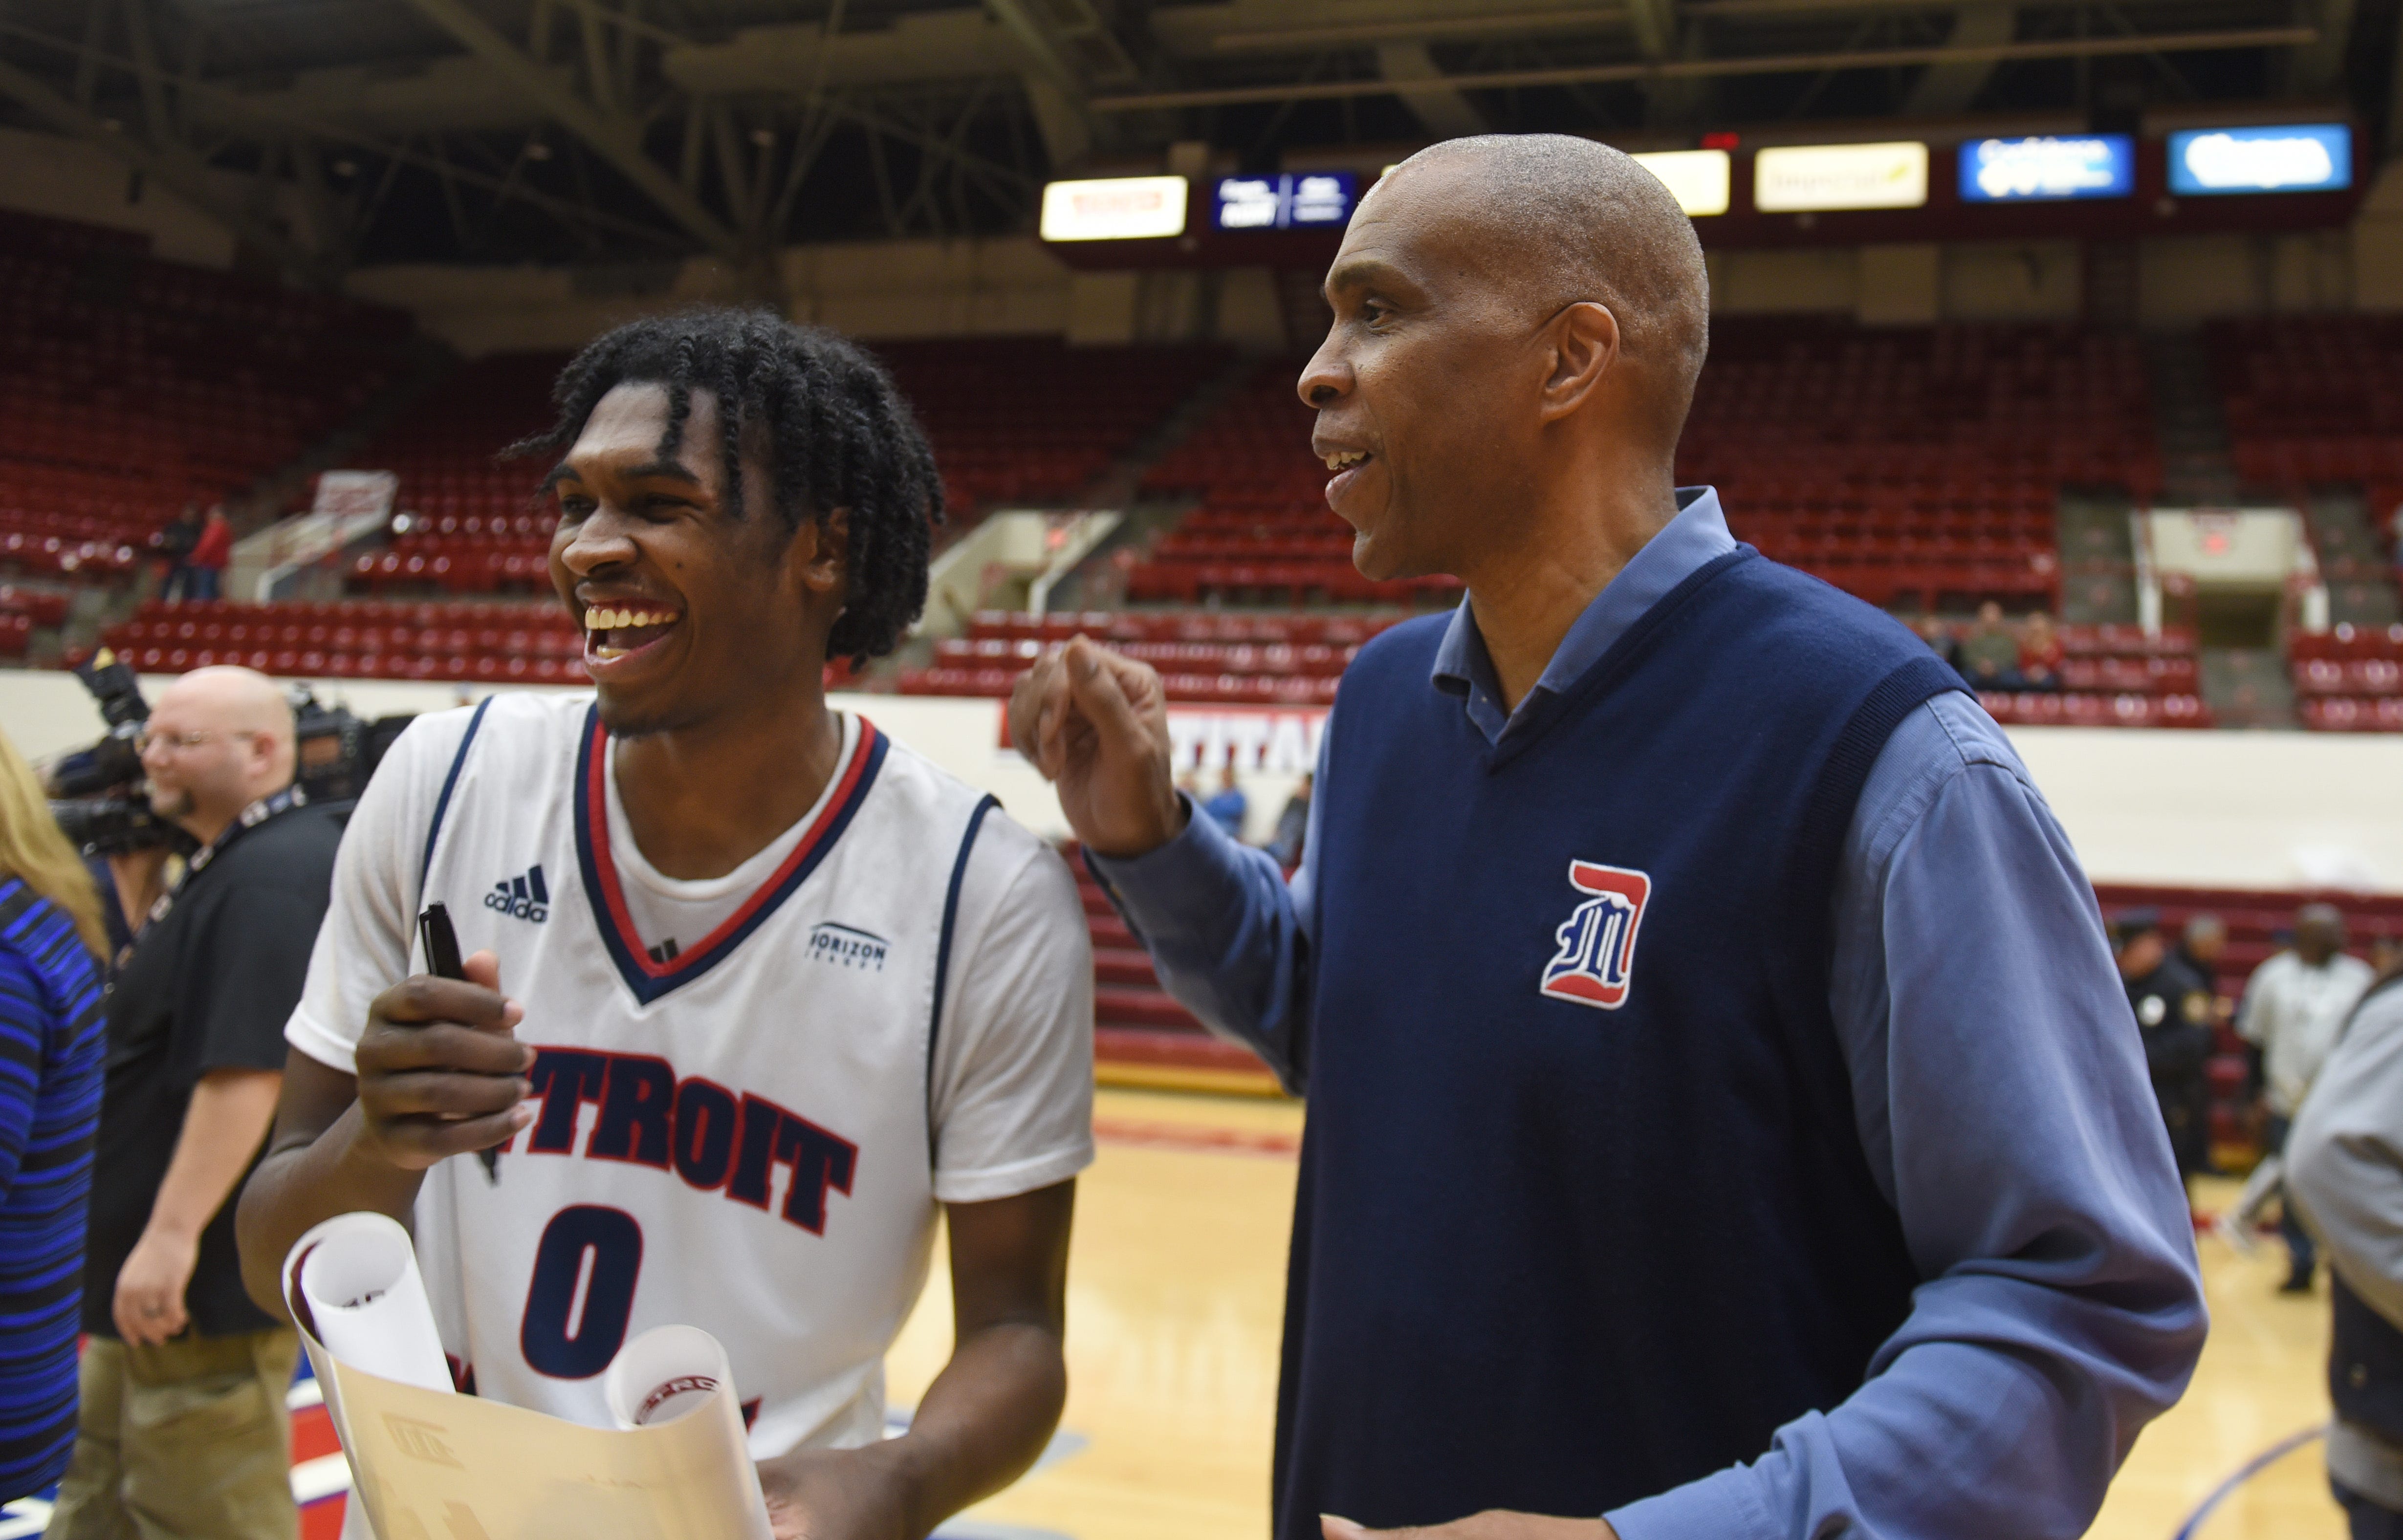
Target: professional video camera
point(102, 804)
point(98, 790)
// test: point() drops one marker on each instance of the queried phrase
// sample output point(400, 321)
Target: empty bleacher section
point(1262, 531)
point(2114, 677)
point(2313, 400)
point(130, 386)
point(1013, 420)
point(468, 523)
point(1141, 1034)
point(1227, 658)
point(2350, 679)
point(1917, 465)
point(22, 609)
point(494, 643)
point(1917, 468)
point(1029, 420)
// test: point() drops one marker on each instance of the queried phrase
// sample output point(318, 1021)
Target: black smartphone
point(441, 943)
point(442, 960)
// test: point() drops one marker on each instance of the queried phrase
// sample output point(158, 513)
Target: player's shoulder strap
point(449, 784)
point(943, 945)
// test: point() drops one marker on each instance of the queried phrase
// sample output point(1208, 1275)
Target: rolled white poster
point(680, 1375)
point(359, 1276)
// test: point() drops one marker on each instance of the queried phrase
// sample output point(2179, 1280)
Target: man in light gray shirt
point(2294, 1008)
point(2344, 1171)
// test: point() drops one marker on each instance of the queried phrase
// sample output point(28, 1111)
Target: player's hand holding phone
point(439, 1072)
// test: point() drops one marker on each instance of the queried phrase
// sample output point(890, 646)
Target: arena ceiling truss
point(328, 132)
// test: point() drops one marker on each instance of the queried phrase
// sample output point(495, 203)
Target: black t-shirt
point(207, 988)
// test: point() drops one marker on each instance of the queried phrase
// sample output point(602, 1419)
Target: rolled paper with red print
point(358, 1273)
point(679, 1377)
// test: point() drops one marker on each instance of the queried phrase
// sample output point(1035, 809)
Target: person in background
point(183, 1430)
point(174, 545)
point(1990, 654)
point(1293, 827)
point(210, 554)
point(53, 1049)
point(2173, 1006)
point(2039, 662)
point(2202, 945)
point(2344, 1173)
point(1933, 630)
point(2294, 1005)
point(1229, 806)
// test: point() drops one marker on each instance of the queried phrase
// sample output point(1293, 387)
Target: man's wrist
point(1174, 818)
point(171, 1230)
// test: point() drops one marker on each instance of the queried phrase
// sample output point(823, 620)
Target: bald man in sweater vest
point(1725, 1119)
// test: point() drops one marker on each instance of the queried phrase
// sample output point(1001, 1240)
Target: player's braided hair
point(839, 437)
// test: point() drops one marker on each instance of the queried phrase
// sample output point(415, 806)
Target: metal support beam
point(154, 118)
point(1655, 24)
point(2317, 72)
point(1946, 91)
point(265, 116)
point(1445, 112)
point(1790, 63)
point(615, 139)
point(1069, 50)
point(179, 172)
point(1069, 43)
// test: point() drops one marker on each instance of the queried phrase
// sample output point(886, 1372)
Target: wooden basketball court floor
point(1176, 1283)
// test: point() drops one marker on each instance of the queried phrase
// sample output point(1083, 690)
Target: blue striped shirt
point(53, 1048)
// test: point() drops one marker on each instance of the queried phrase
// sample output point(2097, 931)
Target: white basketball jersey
point(747, 1131)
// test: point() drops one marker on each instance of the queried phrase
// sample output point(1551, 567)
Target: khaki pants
point(189, 1440)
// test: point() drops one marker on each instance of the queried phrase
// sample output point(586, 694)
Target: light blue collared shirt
point(1999, 1092)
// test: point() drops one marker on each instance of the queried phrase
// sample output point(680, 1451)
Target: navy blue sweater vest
point(1583, 1211)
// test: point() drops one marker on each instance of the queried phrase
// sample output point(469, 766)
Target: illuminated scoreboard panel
point(2285, 158)
point(2047, 168)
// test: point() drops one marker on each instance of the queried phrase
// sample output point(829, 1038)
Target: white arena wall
point(2247, 810)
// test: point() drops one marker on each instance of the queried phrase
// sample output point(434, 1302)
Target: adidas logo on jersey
point(526, 897)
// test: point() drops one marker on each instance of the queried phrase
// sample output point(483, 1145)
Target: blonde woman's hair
point(35, 852)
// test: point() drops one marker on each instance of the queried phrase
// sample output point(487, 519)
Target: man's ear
point(1584, 344)
point(822, 548)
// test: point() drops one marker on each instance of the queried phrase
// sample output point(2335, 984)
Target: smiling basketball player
point(777, 987)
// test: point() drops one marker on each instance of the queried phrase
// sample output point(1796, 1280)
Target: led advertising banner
point(2287, 158)
point(1808, 178)
point(1120, 208)
point(2021, 171)
point(1311, 199)
point(1698, 178)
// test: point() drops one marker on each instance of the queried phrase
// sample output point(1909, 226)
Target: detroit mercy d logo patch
point(1596, 964)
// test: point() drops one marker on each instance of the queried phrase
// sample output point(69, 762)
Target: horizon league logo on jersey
point(847, 946)
point(1596, 964)
point(526, 897)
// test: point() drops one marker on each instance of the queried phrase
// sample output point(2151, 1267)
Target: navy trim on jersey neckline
point(648, 980)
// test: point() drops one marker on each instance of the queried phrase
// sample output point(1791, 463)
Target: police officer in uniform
point(2174, 1008)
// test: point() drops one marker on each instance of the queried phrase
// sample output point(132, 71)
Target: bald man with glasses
point(183, 1429)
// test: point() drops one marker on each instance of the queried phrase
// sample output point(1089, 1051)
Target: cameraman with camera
point(183, 1428)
